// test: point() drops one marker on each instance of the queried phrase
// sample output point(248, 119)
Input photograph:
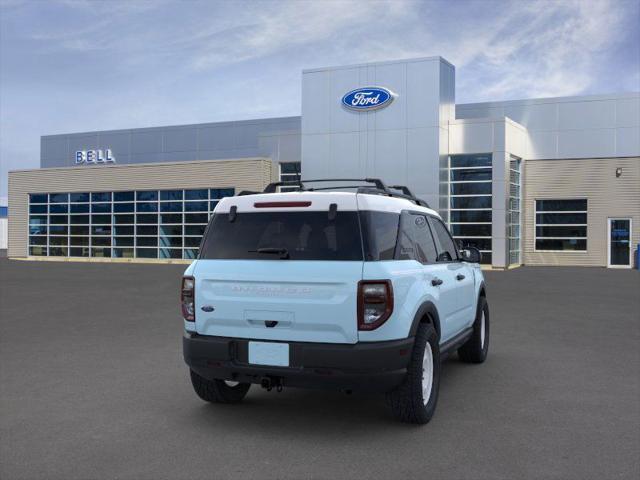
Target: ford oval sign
point(368, 98)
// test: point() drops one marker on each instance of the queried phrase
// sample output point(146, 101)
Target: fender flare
point(427, 308)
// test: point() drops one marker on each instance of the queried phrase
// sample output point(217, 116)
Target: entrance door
point(619, 245)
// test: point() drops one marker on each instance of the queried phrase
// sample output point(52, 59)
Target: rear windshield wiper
point(283, 252)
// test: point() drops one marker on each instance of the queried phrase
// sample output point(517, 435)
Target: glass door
point(619, 251)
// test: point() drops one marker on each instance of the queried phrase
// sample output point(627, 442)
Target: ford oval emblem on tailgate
point(207, 308)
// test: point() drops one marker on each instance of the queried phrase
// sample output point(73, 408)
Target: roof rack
point(377, 187)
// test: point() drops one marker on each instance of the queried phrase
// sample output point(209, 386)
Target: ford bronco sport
point(360, 290)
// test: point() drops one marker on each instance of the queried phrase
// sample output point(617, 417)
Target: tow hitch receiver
point(269, 383)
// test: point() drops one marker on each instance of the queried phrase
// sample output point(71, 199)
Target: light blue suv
point(349, 287)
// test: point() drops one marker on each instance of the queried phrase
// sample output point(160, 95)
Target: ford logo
point(368, 98)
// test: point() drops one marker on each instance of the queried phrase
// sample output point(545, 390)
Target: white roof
point(319, 201)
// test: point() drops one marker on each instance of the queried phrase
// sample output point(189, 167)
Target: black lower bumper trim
point(371, 366)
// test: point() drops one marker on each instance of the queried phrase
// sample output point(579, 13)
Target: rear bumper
point(373, 367)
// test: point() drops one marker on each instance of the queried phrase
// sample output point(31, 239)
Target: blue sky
point(68, 66)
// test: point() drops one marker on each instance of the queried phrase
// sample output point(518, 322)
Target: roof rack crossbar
point(378, 187)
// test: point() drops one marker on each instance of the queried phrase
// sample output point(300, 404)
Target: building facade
point(551, 181)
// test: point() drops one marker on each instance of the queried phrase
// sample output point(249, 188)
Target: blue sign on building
point(368, 98)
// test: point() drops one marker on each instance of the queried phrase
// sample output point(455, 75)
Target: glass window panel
point(466, 175)
point(58, 208)
point(124, 219)
point(101, 219)
point(146, 218)
point(572, 231)
point(120, 230)
point(190, 253)
point(58, 251)
point(470, 202)
point(146, 207)
point(37, 219)
point(561, 205)
point(196, 218)
point(123, 241)
point(101, 230)
point(445, 244)
point(100, 241)
point(58, 197)
point(37, 240)
point(175, 242)
point(147, 241)
point(80, 241)
point(195, 206)
point(78, 251)
point(37, 209)
point(470, 188)
point(38, 197)
point(79, 208)
point(201, 194)
point(79, 197)
point(471, 230)
point(290, 167)
point(170, 253)
point(58, 230)
point(171, 195)
point(150, 195)
point(192, 241)
point(37, 229)
point(58, 219)
point(123, 252)
point(213, 205)
point(171, 230)
point(560, 218)
point(171, 207)
point(101, 197)
point(58, 241)
point(79, 219)
point(101, 252)
point(123, 196)
point(147, 252)
point(485, 258)
point(479, 243)
point(38, 251)
point(559, 244)
point(226, 192)
point(123, 207)
point(146, 230)
point(470, 216)
point(171, 218)
point(475, 160)
point(101, 208)
point(194, 229)
point(415, 239)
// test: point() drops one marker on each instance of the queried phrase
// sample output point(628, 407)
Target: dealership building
point(547, 181)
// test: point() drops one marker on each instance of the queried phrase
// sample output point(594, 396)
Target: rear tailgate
point(305, 301)
point(281, 267)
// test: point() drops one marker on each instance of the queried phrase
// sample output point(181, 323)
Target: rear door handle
point(460, 277)
point(436, 281)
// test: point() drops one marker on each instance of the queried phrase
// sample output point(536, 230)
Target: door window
point(620, 236)
point(447, 251)
point(415, 242)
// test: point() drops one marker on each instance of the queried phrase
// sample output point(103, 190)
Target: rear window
point(278, 235)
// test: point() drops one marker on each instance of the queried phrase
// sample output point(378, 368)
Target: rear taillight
point(375, 303)
point(187, 298)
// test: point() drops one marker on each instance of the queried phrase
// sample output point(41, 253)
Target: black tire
point(406, 401)
point(217, 391)
point(475, 350)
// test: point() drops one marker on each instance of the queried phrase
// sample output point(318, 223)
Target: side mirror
point(470, 254)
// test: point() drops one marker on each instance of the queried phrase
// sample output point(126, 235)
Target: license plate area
point(269, 353)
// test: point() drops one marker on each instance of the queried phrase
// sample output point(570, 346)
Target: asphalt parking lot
point(92, 385)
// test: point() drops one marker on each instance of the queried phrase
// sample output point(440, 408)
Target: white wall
point(598, 126)
point(404, 143)
point(3, 233)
